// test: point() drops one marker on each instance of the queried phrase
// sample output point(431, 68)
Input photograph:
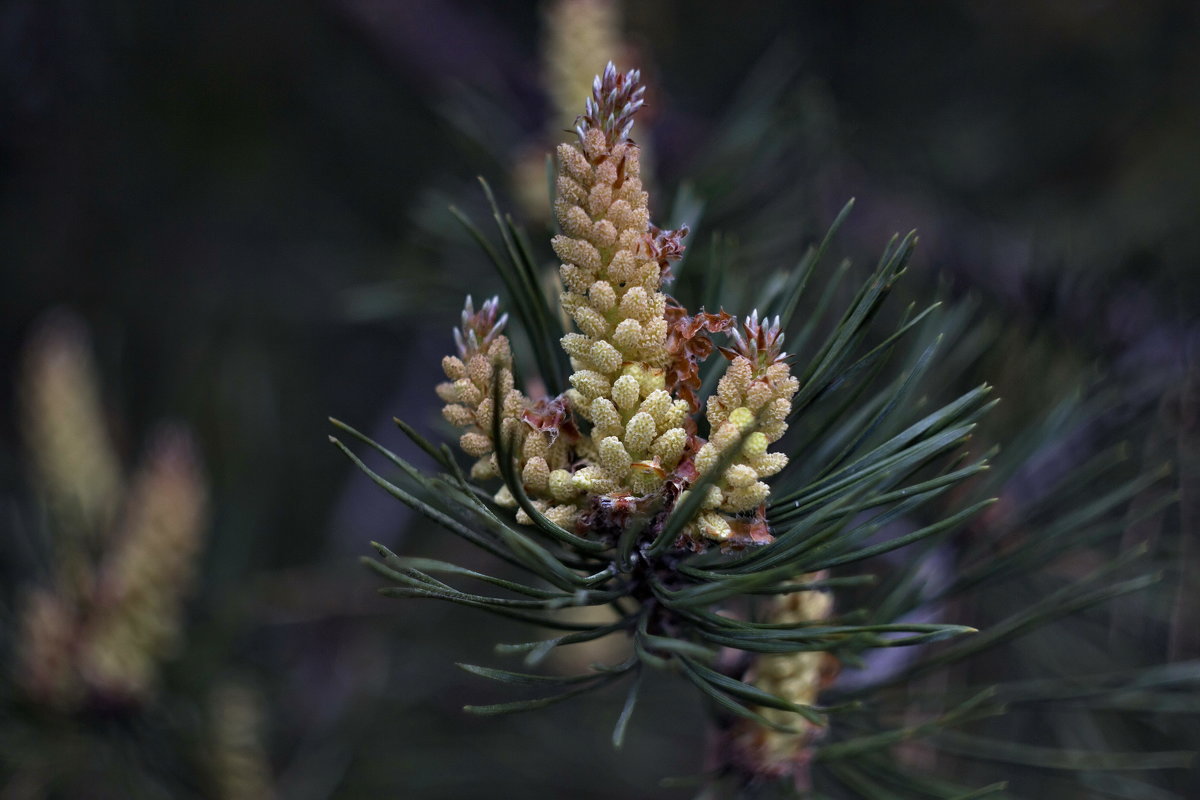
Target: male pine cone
point(634, 357)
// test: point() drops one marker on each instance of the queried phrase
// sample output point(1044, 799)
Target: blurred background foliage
point(245, 205)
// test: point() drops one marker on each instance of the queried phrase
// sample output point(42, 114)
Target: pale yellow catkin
point(751, 406)
point(612, 283)
point(540, 458)
point(240, 767)
point(136, 616)
point(73, 458)
point(797, 677)
point(579, 36)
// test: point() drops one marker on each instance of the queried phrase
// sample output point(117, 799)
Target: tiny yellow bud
point(468, 393)
point(535, 445)
point(658, 405)
point(590, 384)
point(484, 469)
point(513, 403)
point(713, 497)
point(758, 394)
point(574, 165)
point(602, 296)
point(579, 252)
point(631, 190)
point(628, 336)
point(625, 393)
point(504, 498)
point(652, 380)
point(742, 417)
point(577, 345)
point(624, 216)
point(577, 399)
point(746, 498)
point(603, 233)
point(606, 170)
point(605, 417)
point(739, 476)
point(590, 321)
point(569, 191)
point(654, 336)
point(454, 367)
point(536, 475)
point(563, 516)
point(505, 379)
point(725, 435)
point(669, 447)
point(755, 446)
point(575, 222)
point(769, 463)
point(576, 280)
point(733, 384)
point(479, 370)
point(714, 526)
point(500, 352)
point(599, 199)
point(679, 412)
point(623, 265)
point(458, 415)
point(475, 444)
point(593, 480)
point(636, 304)
point(614, 458)
point(560, 485)
point(604, 357)
point(706, 458)
point(639, 433)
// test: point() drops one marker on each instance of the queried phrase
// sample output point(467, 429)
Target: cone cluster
point(624, 384)
point(98, 629)
point(579, 35)
point(485, 359)
point(142, 585)
point(241, 769)
point(751, 406)
point(797, 677)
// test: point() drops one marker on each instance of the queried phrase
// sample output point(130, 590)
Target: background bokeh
point(245, 203)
